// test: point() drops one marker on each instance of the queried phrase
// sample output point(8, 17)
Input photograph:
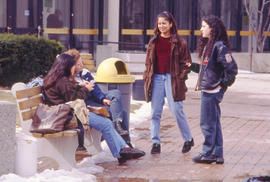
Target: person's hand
point(89, 85)
point(106, 102)
point(188, 64)
point(84, 83)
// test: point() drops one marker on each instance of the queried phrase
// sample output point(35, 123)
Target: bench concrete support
point(7, 137)
point(92, 139)
point(61, 149)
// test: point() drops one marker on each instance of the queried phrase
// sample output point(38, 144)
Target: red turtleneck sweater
point(163, 52)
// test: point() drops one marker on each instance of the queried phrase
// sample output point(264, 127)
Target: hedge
point(24, 57)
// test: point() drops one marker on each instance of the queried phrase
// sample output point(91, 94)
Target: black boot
point(119, 129)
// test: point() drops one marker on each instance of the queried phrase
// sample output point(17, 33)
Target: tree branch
point(267, 26)
point(250, 17)
point(266, 2)
point(260, 26)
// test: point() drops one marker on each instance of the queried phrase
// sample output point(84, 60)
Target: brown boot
point(119, 129)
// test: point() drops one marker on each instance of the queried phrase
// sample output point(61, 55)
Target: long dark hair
point(60, 68)
point(168, 16)
point(217, 33)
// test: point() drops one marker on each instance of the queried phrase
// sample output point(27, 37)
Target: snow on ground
point(87, 168)
point(250, 82)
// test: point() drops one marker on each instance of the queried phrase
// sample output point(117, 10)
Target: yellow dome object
point(113, 70)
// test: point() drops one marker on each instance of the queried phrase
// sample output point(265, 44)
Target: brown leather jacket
point(180, 55)
point(64, 91)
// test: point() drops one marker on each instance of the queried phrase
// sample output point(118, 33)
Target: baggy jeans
point(161, 88)
point(112, 138)
point(210, 123)
point(115, 109)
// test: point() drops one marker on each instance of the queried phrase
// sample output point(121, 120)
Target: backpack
point(229, 74)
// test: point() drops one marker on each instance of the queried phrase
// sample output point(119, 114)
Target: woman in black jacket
point(216, 72)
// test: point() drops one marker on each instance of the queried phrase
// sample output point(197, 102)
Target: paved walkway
point(245, 121)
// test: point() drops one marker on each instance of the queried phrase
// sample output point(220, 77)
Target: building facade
point(125, 25)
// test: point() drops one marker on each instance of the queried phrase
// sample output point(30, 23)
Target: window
point(85, 24)
point(132, 24)
point(183, 18)
point(3, 13)
point(56, 20)
point(229, 14)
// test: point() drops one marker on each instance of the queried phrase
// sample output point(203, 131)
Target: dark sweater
point(63, 91)
point(163, 52)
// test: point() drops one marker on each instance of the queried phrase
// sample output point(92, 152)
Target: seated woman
point(59, 88)
point(112, 100)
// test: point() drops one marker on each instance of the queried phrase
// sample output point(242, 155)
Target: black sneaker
point(155, 148)
point(130, 145)
point(187, 146)
point(219, 160)
point(204, 159)
point(81, 150)
point(131, 153)
point(121, 160)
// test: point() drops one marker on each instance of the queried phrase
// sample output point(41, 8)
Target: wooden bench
point(60, 146)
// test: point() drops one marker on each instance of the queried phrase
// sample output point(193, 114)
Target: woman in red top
point(165, 74)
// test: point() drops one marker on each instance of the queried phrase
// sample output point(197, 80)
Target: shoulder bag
point(51, 119)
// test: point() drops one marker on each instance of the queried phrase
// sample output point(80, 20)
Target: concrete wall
point(260, 61)
point(7, 137)
point(135, 60)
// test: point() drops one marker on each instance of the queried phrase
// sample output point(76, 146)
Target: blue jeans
point(115, 109)
point(210, 123)
point(161, 88)
point(104, 125)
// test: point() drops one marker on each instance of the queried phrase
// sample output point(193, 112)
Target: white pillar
point(113, 23)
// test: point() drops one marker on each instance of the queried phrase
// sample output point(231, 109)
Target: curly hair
point(218, 33)
point(60, 68)
point(73, 52)
point(168, 16)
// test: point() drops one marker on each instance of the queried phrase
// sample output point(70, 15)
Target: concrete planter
point(260, 61)
point(135, 60)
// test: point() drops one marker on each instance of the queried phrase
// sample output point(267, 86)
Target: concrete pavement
point(245, 121)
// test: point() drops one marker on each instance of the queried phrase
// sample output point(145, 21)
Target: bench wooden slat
point(26, 115)
point(29, 92)
point(73, 132)
point(30, 103)
point(37, 135)
point(54, 135)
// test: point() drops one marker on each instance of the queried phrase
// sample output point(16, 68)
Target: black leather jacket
point(213, 72)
